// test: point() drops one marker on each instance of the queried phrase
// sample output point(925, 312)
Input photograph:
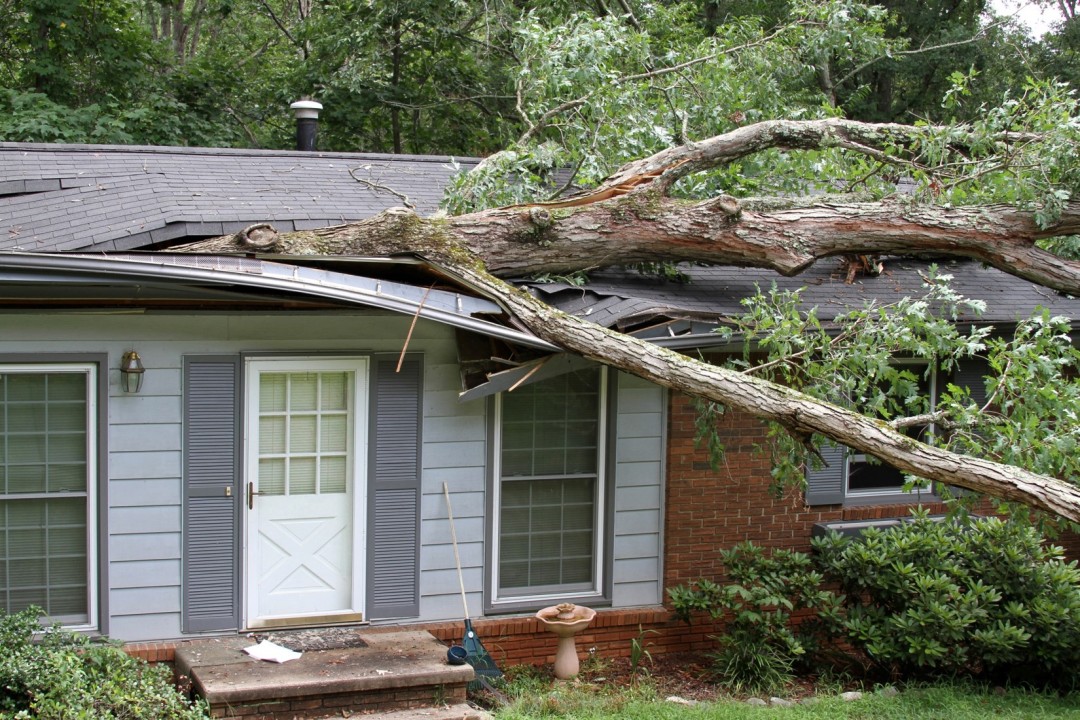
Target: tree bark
point(798, 413)
point(645, 227)
point(629, 219)
point(454, 247)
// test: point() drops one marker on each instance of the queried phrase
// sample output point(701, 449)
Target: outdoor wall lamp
point(131, 372)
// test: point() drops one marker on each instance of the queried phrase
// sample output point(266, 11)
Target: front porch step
point(388, 672)
point(463, 711)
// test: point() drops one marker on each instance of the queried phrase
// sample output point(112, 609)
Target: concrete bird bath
point(566, 620)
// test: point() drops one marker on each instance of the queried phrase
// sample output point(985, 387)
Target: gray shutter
point(970, 373)
point(211, 493)
point(394, 506)
point(826, 486)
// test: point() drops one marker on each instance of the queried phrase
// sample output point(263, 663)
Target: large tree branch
point(798, 413)
point(787, 237)
point(631, 220)
point(403, 231)
point(457, 247)
point(893, 142)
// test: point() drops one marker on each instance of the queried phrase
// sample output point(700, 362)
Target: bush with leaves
point(56, 674)
point(982, 596)
point(763, 643)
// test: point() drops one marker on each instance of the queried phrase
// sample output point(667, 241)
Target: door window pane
point(304, 432)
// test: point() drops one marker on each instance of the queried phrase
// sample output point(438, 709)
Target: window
point(549, 489)
point(869, 478)
point(48, 490)
point(304, 432)
point(855, 478)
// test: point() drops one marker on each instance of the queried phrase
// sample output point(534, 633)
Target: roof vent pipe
point(307, 123)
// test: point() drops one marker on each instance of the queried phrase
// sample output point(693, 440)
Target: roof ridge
point(227, 152)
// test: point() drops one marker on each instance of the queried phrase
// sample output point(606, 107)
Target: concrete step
point(463, 711)
point(377, 672)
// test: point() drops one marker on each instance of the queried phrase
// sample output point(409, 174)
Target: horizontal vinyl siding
point(454, 452)
point(639, 472)
point(145, 505)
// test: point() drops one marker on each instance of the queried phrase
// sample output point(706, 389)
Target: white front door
point(305, 436)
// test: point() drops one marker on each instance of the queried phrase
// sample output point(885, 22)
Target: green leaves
point(978, 597)
point(762, 644)
point(64, 675)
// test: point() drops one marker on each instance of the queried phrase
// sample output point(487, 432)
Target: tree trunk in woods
point(630, 219)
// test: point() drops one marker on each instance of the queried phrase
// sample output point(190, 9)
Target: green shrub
point(762, 646)
point(62, 675)
point(981, 597)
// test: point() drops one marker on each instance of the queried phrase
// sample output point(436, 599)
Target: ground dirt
point(681, 675)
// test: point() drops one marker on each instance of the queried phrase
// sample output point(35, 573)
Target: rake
point(476, 654)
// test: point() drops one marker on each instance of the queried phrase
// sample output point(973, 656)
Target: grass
point(535, 698)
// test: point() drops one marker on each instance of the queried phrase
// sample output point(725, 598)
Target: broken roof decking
point(646, 305)
point(88, 197)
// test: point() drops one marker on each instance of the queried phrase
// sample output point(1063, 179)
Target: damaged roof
point(656, 308)
point(105, 199)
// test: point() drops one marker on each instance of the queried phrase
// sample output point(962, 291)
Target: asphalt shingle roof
point(86, 197)
point(624, 299)
point(103, 198)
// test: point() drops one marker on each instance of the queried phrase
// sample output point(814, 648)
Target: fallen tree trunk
point(798, 413)
point(629, 218)
point(400, 231)
point(645, 227)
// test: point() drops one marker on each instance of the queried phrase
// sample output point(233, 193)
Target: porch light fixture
point(131, 372)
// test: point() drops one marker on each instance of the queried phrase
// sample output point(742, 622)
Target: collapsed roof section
point(684, 314)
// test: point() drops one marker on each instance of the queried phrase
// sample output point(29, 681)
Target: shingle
point(309, 189)
point(718, 291)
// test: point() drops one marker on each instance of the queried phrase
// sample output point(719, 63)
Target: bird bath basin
point(566, 620)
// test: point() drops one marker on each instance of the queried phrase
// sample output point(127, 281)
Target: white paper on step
point(271, 652)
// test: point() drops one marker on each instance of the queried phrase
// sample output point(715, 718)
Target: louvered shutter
point(970, 373)
point(211, 493)
point(826, 486)
point(394, 506)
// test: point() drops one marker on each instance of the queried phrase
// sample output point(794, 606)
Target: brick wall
point(708, 509)
point(520, 640)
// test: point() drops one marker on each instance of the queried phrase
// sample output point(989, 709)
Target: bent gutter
point(444, 307)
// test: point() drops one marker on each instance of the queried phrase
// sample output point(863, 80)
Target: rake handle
point(457, 556)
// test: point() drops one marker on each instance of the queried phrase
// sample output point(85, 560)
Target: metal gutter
point(441, 306)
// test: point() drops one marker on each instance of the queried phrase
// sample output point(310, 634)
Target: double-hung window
point(47, 490)
point(549, 488)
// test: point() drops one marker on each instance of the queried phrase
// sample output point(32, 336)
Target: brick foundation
point(521, 641)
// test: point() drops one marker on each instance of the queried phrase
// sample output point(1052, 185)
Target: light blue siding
point(639, 479)
point(145, 454)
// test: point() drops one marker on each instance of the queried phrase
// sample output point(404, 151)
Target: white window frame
point(898, 493)
point(599, 511)
point(90, 370)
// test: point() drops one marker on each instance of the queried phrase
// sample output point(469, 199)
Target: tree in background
point(466, 77)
